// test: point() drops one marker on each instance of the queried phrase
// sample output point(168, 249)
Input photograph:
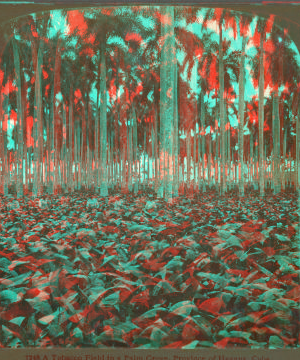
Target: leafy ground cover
point(135, 271)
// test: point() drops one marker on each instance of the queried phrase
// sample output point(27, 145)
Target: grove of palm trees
point(149, 179)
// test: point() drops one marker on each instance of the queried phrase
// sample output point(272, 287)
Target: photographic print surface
point(149, 179)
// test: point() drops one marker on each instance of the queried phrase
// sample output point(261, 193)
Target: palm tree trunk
point(284, 159)
point(89, 145)
point(297, 168)
point(261, 117)
point(3, 148)
point(76, 155)
point(175, 136)
point(156, 150)
point(167, 91)
point(229, 155)
point(276, 144)
point(148, 155)
point(97, 135)
point(20, 121)
point(52, 147)
point(144, 161)
point(194, 158)
point(251, 157)
point(129, 146)
point(103, 122)
point(1, 144)
point(48, 152)
point(24, 114)
point(152, 155)
point(56, 121)
point(209, 161)
point(64, 147)
point(188, 158)
point(38, 127)
point(71, 143)
point(217, 158)
point(222, 120)
point(199, 157)
point(136, 186)
point(241, 117)
point(202, 124)
point(112, 157)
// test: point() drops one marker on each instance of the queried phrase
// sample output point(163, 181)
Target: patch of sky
point(295, 49)
point(59, 97)
point(59, 24)
point(93, 95)
point(27, 78)
point(147, 22)
point(150, 96)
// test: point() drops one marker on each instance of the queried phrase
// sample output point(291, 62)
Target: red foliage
point(213, 78)
point(134, 37)
point(76, 21)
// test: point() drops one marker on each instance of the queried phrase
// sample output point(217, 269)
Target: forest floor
point(139, 272)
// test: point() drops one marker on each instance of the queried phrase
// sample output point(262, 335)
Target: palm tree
point(241, 114)
point(19, 121)
point(3, 142)
point(168, 58)
point(105, 23)
point(219, 15)
point(261, 29)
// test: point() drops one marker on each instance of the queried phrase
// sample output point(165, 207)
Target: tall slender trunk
point(20, 121)
point(1, 144)
point(251, 157)
point(261, 117)
point(276, 143)
point(241, 116)
point(97, 134)
point(52, 147)
point(167, 93)
point(229, 154)
point(216, 158)
point(117, 120)
point(209, 161)
point(3, 147)
point(175, 136)
point(89, 143)
point(48, 151)
point(129, 145)
point(56, 115)
point(199, 157)
point(203, 141)
point(152, 154)
point(38, 127)
point(156, 150)
point(24, 130)
point(297, 168)
point(188, 159)
point(75, 155)
point(71, 140)
point(222, 120)
point(84, 146)
point(145, 157)
point(135, 143)
point(148, 154)
point(79, 150)
point(64, 146)
point(284, 159)
point(194, 158)
point(103, 122)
